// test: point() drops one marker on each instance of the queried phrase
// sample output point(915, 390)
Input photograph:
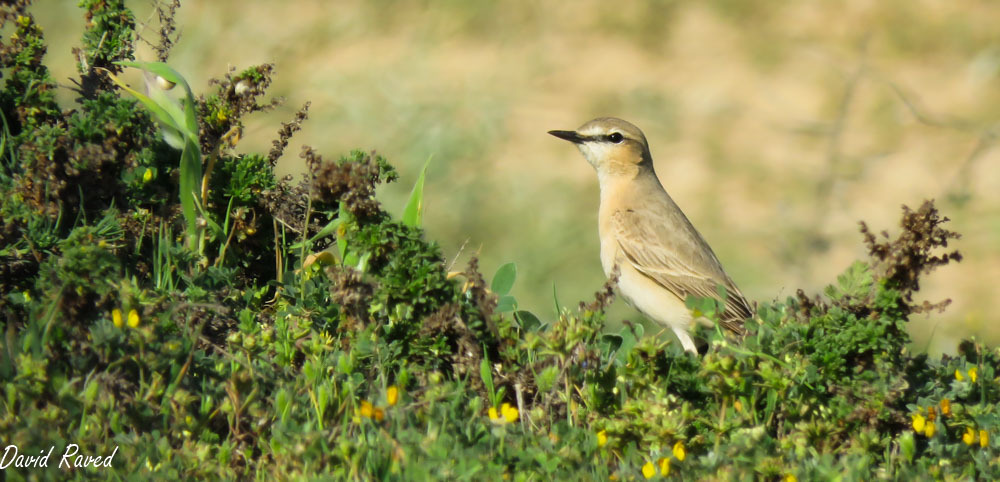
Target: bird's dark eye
point(616, 137)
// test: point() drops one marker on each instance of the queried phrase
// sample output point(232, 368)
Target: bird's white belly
point(652, 300)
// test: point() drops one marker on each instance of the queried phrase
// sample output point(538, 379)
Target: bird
point(659, 256)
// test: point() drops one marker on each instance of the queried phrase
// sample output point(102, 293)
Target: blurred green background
point(775, 125)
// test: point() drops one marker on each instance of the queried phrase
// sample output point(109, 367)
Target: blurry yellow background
point(776, 126)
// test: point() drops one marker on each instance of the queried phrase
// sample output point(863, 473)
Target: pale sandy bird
point(661, 257)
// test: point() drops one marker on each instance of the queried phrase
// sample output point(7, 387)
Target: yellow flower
point(973, 374)
point(679, 452)
point(602, 438)
point(392, 395)
point(509, 413)
point(664, 464)
point(738, 406)
point(148, 175)
point(648, 470)
point(506, 414)
point(133, 318)
point(379, 414)
point(929, 429)
point(969, 437)
point(958, 375)
point(366, 410)
point(945, 407)
point(790, 478)
point(116, 318)
point(984, 438)
point(918, 422)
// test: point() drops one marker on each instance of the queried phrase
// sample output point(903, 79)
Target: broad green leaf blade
point(613, 341)
point(506, 304)
point(630, 336)
point(504, 279)
point(527, 320)
point(413, 212)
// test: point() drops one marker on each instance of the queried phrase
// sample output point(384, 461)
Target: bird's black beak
point(571, 136)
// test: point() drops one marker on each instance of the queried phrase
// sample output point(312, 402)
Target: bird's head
point(610, 144)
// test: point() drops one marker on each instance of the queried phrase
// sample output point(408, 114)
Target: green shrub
point(307, 333)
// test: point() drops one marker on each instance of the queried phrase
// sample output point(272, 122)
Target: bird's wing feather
point(680, 261)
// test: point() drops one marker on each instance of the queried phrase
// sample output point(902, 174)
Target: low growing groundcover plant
point(176, 309)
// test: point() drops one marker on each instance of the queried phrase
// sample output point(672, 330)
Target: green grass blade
point(413, 211)
point(190, 187)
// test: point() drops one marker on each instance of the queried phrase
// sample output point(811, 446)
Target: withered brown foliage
point(604, 297)
point(285, 134)
point(12, 8)
point(352, 183)
point(902, 261)
point(467, 345)
point(166, 13)
point(899, 262)
point(466, 354)
point(353, 293)
point(287, 202)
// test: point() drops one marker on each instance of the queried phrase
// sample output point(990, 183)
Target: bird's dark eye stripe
point(615, 137)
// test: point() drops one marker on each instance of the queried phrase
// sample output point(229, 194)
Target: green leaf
point(504, 279)
point(413, 211)
point(527, 320)
point(630, 336)
point(506, 304)
point(180, 131)
point(613, 341)
point(172, 131)
point(190, 188)
point(555, 298)
point(487, 375)
point(188, 119)
point(856, 282)
point(327, 230)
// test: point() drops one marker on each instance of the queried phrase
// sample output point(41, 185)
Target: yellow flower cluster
point(507, 414)
point(133, 318)
point(367, 410)
point(928, 427)
point(973, 374)
point(663, 463)
point(923, 425)
point(970, 437)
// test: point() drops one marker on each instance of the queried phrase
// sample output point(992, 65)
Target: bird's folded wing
point(680, 261)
